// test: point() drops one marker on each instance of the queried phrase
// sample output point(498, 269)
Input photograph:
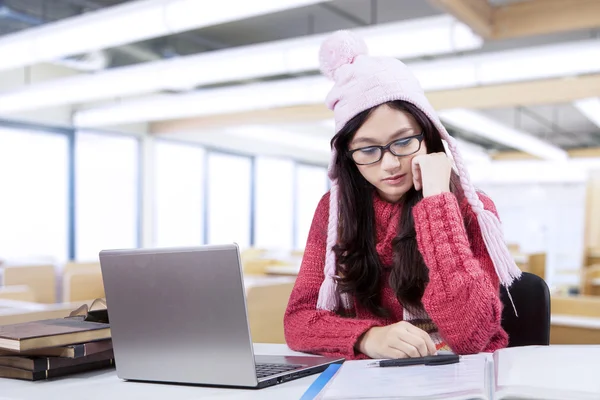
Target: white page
point(549, 372)
point(463, 380)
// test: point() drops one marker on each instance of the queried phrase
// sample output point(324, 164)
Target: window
point(179, 195)
point(274, 203)
point(34, 203)
point(106, 193)
point(311, 184)
point(229, 196)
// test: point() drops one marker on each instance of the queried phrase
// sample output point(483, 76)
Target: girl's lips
point(394, 180)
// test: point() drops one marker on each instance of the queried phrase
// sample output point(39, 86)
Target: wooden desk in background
point(575, 320)
point(283, 270)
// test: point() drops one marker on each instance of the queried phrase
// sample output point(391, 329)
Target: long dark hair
point(357, 258)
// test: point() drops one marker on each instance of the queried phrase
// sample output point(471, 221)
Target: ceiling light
point(458, 72)
point(437, 35)
point(484, 126)
point(127, 23)
point(256, 96)
point(524, 64)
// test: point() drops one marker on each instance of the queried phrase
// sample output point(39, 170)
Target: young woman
point(404, 257)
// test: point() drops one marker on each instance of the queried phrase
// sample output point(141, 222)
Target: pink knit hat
point(362, 82)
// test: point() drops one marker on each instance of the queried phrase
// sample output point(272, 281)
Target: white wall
point(542, 207)
point(544, 217)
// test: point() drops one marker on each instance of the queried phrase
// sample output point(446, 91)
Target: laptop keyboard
point(264, 370)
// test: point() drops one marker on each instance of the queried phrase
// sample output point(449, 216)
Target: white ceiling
point(560, 124)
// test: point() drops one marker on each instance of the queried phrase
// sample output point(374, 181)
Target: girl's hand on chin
point(431, 173)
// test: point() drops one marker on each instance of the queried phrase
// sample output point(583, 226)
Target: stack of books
point(39, 350)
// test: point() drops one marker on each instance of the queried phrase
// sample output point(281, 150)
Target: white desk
point(104, 384)
point(252, 281)
point(575, 321)
point(287, 270)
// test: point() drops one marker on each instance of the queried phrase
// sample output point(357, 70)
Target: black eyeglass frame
point(388, 147)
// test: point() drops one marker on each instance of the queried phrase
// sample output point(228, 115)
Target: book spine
point(57, 363)
point(55, 373)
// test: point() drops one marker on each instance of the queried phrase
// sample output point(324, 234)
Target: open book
point(533, 372)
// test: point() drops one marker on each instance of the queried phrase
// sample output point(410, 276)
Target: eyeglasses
point(400, 148)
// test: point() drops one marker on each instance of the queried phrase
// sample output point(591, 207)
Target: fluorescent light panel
point(257, 96)
point(484, 126)
point(590, 107)
point(128, 23)
point(456, 72)
point(540, 62)
point(437, 35)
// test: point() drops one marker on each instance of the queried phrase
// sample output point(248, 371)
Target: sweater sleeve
point(462, 297)
point(306, 328)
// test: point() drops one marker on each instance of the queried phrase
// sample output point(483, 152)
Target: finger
point(416, 172)
point(431, 349)
point(430, 345)
point(399, 343)
point(417, 341)
point(392, 352)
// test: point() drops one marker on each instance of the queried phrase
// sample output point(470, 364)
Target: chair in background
point(531, 297)
point(71, 266)
point(82, 284)
point(534, 263)
point(266, 308)
point(41, 279)
point(592, 256)
point(590, 280)
point(252, 253)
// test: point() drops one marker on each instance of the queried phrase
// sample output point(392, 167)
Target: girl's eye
point(369, 150)
point(402, 142)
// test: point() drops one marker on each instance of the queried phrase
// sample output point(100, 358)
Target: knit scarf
point(387, 218)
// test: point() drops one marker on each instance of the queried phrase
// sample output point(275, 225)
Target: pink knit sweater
point(461, 298)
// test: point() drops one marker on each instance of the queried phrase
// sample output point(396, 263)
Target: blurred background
point(174, 123)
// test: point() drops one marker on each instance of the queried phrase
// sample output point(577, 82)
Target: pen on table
point(428, 360)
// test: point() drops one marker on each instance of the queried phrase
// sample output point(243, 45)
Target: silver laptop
point(179, 316)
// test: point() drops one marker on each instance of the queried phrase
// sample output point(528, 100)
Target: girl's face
point(389, 173)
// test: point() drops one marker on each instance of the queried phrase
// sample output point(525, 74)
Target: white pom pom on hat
point(340, 49)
